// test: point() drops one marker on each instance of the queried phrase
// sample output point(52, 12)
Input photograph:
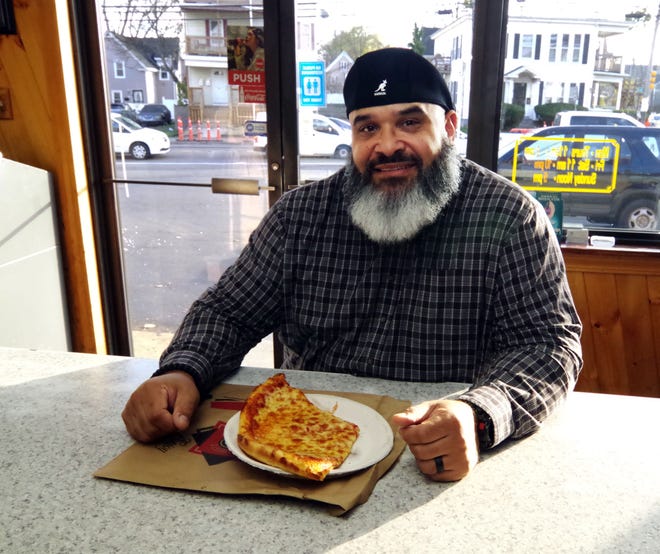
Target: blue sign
point(311, 76)
point(255, 128)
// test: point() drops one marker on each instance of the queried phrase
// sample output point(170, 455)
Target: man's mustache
point(397, 157)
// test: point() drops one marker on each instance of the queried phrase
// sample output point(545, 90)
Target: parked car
point(578, 156)
point(341, 122)
point(123, 109)
point(318, 135)
point(131, 138)
point(653, 120)
point(595, 118)
point(154, 114)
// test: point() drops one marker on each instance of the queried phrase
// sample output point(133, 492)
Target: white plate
point(372, 445)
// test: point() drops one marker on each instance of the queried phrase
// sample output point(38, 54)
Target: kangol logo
point(380, 91)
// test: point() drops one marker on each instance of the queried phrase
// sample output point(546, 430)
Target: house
point(210, 32)
point(545, 62)
point(142, 71)
point(335, 73)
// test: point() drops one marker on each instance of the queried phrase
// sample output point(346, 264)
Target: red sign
point(252, 85)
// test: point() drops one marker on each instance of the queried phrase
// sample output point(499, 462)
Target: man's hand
point(160, 406)
point(440, 428)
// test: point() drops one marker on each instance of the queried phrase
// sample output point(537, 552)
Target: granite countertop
point(587, 482)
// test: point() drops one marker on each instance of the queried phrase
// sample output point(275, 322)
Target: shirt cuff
point(188, 362)
point(497, 406)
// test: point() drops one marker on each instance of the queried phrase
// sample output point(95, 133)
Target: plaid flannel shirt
point(479, 296)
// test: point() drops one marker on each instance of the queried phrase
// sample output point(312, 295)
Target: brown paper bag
point(197, 460)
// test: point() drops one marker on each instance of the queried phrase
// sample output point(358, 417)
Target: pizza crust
point(280, 427)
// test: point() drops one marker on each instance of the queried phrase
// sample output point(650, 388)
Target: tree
point(355, 42)
point(142, 18)
point(546, 112)
point(151, 25)
point(417, 44)
point(640, 15)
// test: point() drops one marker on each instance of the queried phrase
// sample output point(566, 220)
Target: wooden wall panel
point(617, 294)
point(588, 380)
point(40, 134)
point(654, 306)
point(636, 323)
point(608, 332)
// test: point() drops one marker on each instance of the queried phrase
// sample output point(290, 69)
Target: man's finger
point(414, 414)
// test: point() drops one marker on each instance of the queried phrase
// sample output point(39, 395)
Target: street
point(198, 162)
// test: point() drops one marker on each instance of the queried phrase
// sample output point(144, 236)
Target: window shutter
point(516, 45)
point(585, 52)
point(537, 50)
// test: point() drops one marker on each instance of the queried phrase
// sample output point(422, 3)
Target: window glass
point(552, 53)
point(119, 69)
point(596, 68)
point(564, 48)
point(192, 84)
point(576, 48)
point(592, 58)
point(331, 35)
point(527, 44)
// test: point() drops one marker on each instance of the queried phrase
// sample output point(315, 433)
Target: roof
point(521, 72)
point(147, 51)
point(343, 55)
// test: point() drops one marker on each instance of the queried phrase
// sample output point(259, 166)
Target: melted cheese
point(281, 427)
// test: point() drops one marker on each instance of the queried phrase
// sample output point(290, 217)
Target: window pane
point(191, 80)
point(527, 41)
point(334, 34)
point(596, 71)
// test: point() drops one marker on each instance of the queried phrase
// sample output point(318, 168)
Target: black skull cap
point(394, 76)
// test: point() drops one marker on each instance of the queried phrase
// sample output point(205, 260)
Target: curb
point(175, 141)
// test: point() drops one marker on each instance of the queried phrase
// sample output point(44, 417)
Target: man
point(410, 263)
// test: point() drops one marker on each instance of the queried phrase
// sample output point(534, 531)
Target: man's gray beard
point(390, 217)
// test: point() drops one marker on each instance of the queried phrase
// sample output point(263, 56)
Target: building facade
point(136, 74)
point(547, 60)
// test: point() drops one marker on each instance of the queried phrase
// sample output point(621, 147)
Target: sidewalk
point(212, 142)
point(208, 132)
point(150, 344)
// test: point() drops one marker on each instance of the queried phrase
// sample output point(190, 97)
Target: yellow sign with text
point(566, 164)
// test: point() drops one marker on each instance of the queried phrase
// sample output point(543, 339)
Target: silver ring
point(439, 464)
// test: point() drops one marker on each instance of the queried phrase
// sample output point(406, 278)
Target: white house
point(548, 59)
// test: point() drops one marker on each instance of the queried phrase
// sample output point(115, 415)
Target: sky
point(400, 17)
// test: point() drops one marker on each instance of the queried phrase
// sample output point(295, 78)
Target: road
point(178, 239)
point(199, 162)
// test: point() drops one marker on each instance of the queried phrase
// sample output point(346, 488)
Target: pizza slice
point(280, 427)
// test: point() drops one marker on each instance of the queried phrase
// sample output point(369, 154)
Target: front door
point(178, 233)
point(519, 94)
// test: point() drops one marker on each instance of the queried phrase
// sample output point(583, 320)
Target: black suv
point(593, 159)
point(154, 114)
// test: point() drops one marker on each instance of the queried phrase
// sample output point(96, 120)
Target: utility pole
point(650, 73)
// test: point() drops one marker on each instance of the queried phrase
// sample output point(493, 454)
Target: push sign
point(311, 76)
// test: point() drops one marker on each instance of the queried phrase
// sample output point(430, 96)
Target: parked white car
point(596, 117)
point(131, 138)
point(318, 135)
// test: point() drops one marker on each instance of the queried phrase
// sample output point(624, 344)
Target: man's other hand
point(443, 430)
point(160, 406)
